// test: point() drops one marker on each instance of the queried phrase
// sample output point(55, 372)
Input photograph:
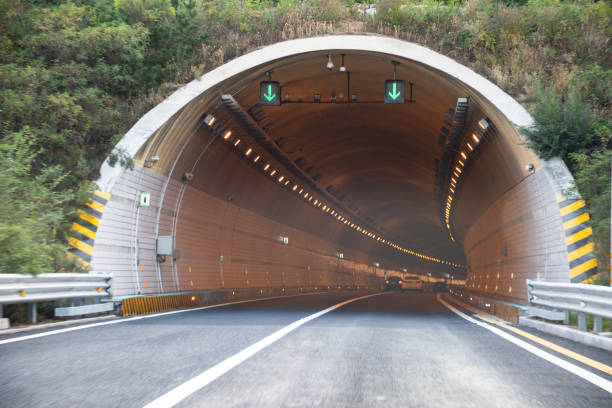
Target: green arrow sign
point(394, 91)
point(269, 96)
point(395, 94)
point(269, 92)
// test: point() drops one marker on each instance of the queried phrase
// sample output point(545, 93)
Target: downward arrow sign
point(269, 96)
point(395, 93)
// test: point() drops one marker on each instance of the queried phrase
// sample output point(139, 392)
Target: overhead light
point(483, 124)
point(463, 155)
point(330, 63)
point(458, 170)
point(266, 167)
point(453, 180)
point(237, 142)
point(287, 182)
point(475, 137)
point(295, 188)
point(281, 178)
point(227, 135)
point(256, 159)
point(209, 119)
point(342, 67)
point(301, 190)
point(273, 172)
point(460, 162)
point(248, 152)
point(470, 146)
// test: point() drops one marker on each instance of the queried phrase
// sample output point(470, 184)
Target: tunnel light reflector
point(476, 139)
point(248, 152)
point(227, 135)
point(463, 155)
point(266, 167)
point(237, 142)
point(470, 146)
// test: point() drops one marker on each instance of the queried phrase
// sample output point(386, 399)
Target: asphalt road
point(390, 350)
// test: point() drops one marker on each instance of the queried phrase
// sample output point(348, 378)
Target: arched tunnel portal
point(334, 187)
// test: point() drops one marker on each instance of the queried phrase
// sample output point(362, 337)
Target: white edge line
point(129, 319)
point(184, 390)
point(572, 368)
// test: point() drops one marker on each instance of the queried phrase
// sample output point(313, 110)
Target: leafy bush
point(563, 124)
point(33, 221)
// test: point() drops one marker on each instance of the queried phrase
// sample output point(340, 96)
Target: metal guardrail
point(16, 288)
point(554, 301)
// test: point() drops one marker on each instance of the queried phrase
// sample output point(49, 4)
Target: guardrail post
point(32, 312)
point(582, 325)
point(566, 319)
point(598, 324)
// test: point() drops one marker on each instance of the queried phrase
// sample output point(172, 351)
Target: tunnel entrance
point(285, 170)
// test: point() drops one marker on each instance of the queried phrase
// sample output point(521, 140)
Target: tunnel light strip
point(308, 196)
point(458, 172)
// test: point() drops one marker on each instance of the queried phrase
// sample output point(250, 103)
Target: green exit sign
point(269, 93)
point(394, 91)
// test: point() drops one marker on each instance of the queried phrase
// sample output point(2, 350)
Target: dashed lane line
point(176, 395)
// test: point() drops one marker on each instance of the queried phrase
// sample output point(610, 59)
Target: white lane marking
point(129, 319)
point(184, 390)
point(572, 368)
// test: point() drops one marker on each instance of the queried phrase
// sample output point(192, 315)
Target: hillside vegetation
point(75, 75)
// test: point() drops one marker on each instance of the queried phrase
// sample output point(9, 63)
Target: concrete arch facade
point(236, 229)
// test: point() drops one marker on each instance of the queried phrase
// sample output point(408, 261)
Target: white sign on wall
point(145, 199)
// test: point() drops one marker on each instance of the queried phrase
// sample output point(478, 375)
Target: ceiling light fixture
point(342, 67)
point(330, 64)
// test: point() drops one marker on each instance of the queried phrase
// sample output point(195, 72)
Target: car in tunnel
point(393, 283)
point(411, 283)
point(440, 287)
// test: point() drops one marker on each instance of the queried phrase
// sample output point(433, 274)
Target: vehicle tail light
point(400, 282)
point(386, 281)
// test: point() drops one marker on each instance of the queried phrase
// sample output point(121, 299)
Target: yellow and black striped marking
point(575, 218)
point(151, 304)
point(85, 229)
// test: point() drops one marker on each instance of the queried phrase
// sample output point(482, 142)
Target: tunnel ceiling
point(378, 161)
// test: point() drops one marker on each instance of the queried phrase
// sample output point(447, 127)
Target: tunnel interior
point(334, 187)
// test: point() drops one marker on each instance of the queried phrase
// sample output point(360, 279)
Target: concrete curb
point(578, 336)
point(56, 324)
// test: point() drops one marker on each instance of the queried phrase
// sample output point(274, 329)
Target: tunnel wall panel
point(519, 237)
point(252, 250)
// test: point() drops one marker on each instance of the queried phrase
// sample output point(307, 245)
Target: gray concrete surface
point(393, 350)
